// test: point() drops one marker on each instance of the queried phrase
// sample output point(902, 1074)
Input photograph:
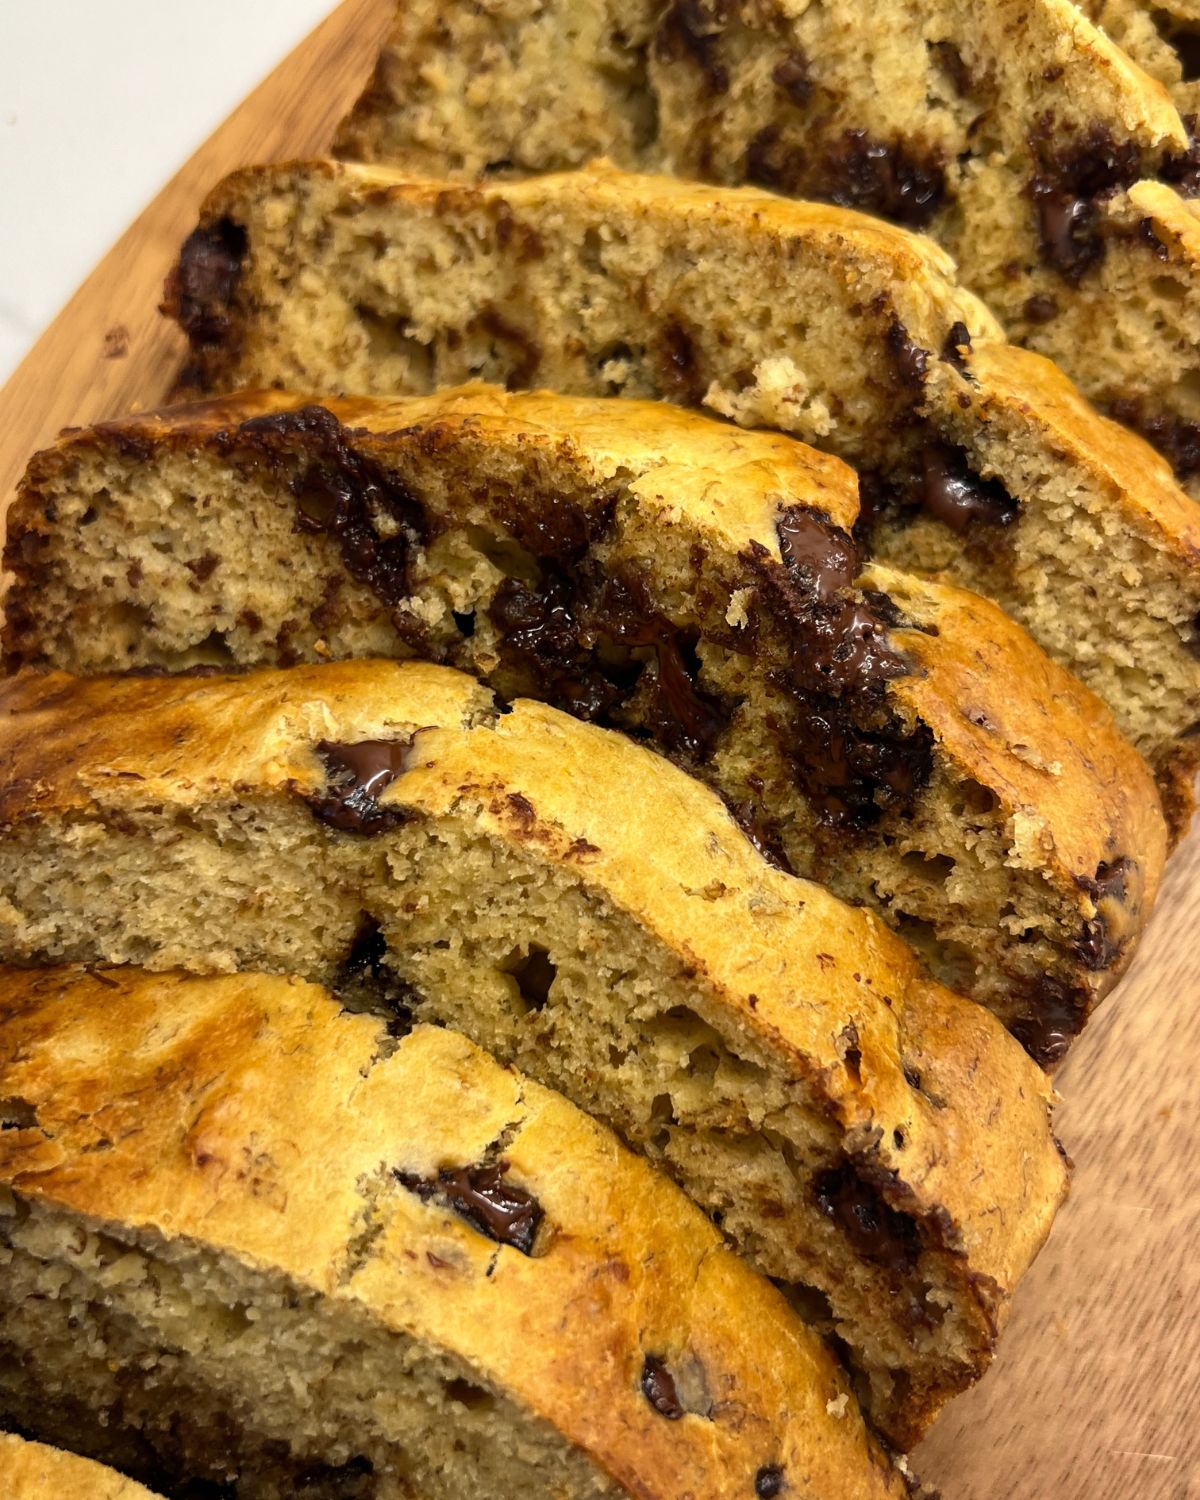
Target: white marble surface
point(100, 102)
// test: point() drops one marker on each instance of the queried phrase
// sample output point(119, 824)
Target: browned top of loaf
point(31, 1471)
point(775, 957)
point(186, 1078)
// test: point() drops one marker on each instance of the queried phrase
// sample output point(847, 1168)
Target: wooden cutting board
point(1096, 1392)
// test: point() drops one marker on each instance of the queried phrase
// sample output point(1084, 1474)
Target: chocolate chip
point(691, 30)
point(855, 170)
point(201, 289)
point(480, 1195)
point(959, 498)
point(876, 1231)
point(911, 361)
point(1073, 176)
point(658, 1387)
point(358, 776)
point(957, 346)
point(1041, 308)
point(1105, 936)
point(791, 75)
point(768, 1482)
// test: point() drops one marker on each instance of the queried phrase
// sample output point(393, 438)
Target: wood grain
point(1096, 1393)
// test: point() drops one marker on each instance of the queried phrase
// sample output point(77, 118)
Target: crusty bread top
point(187, 1080)
point(781, 958)
point(673, 458)
point(1076, 792)
point(31, 1471)
point(867, 255)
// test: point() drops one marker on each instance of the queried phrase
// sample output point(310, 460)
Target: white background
point(100, 102)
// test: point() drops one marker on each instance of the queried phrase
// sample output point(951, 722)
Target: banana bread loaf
point(435, 1278)
point(589, 914)
point(1010, 131)
point(31, 1471)
point(901, 741)
point(813, 320)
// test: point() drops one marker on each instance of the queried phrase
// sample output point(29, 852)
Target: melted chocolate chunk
point(345, 495)
point(890, 178)
point(792, 77)
point(358, 776)
point(1106, 935)
point(817, 552)
point(690, 30)
point(959, 498)
point(1041, 308)
point(658, 1387)
point(957, 346)
point(586, 643)
point(1071, 181)
point(768, 1482)
point(1056, 1017)
point(201, 289)
point(911, 361)
point(1176, 438)
point(480, 1195)
point(876, 1231)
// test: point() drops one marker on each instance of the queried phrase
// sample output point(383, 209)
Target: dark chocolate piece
point(658, 1387)
point(911, 361)
point(892, 178)
point(480, 1195)
point(1106, 935)
point(1056, 1016)
point(201, 289)
point(957, 346)
point(816, 551)
point(1072, 179)
point(679, 373)
point(358, 776)
point(877, 1232)
point(343, 494)
point(792, 77)
point(768, 1482)
point(959, 498)
point(690, 30)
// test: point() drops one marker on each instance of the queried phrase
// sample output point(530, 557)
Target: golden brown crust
point(31, 1471)
point(789, 962)
point(238, 1051)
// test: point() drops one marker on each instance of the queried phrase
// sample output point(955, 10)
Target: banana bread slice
point(32, 1471)
point(589, 914)
point(901, 741)
point(1005, 130)
point(257, 1244)
point(812, 320)
point(1162, 37)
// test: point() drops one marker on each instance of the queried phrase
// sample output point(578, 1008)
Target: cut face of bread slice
point(1162, 38)
point(808, 319)
point(434, 1278)
point(31, 1471)
point(1004, 130)
point(647, 568)
point(589, 914)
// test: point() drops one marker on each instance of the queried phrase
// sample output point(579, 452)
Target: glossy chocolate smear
point(877, 1232)
point(358, 776)
point(480, 1195)
point(1056, 1016)
point(658, 1387)
point(1074, 175)
point(817, 552)
point(959, 498)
